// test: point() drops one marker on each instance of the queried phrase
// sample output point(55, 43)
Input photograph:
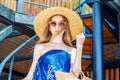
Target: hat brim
point(75, 22)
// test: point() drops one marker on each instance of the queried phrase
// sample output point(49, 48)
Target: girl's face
point(57, 24)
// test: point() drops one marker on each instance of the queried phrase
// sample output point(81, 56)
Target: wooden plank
point(87, 47)
point(32, 7)
point(42, 2)
point(107, 33)
point(27, 8)
point(117, 74)
point(0, 1)
point(40, 6)
point(87, 52)
point(13, 72)
point(37, 10)
point(112, 40)
point(107, 74)
point(13, 5)
point(112, 74)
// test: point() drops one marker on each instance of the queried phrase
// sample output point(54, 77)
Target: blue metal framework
point(19, 18)
point(11, 55)
point(97, 35)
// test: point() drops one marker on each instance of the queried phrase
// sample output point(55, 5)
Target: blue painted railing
point(4, 33)
point(11, 56)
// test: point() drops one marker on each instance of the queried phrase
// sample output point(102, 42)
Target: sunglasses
point(54, 23)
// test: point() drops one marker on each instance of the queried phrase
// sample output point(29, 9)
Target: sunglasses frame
point(59, 23)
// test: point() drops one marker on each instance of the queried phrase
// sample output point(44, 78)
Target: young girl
point(57, 27)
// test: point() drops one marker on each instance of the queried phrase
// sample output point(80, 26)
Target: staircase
point(17, 39)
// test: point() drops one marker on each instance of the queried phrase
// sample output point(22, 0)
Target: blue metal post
point(98, 67)
point(20, 6)
point(82, 7)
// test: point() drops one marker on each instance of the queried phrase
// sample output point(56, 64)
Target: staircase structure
point(101, 53)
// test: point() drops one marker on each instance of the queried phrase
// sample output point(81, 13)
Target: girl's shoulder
point(71, 49)
point(40, 45)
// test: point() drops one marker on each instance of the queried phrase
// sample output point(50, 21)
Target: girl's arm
point(76, 68)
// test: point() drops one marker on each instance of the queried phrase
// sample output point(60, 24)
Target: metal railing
point(19, 7)
point(11, 57)
point(35, 6)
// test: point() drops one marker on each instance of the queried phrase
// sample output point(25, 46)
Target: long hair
point(46, 37)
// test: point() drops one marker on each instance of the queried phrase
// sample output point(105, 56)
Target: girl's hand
point(80, 38)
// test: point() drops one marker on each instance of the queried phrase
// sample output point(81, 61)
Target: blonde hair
point(46, 37)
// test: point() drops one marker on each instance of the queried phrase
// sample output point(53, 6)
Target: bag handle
point(83, 77)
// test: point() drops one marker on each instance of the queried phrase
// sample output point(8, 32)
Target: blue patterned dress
point(50, 62)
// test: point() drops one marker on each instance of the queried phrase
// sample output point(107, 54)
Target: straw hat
point(75, 22)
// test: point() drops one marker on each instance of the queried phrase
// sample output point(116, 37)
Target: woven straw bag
point(69, 76)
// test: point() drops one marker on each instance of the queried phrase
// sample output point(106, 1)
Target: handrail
point(37, 4)
point(14, 52)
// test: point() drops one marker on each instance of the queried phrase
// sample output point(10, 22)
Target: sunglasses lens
point(52, 23)
point(62, 24)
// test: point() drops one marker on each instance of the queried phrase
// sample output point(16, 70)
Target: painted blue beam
point(24, 18)
point(82, 7)
point(7, 13)
point(87, 57)
point(86, 16)
point(98, 64)
point(92, 1)
point(86, 32)
point(6, 32)
point(14, 52)
point(118, 50)
point(118, 19)
point(110, 25)
point(88, 35)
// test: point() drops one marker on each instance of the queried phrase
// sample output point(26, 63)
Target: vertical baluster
point(59, 2)
point(34, 12)
point(32, 8)
point(42, 2)
point(48, 2)
point(62, 3)
point(55, 2)
point(37, 7)
point(3, 2)
point(20, 6)
point(9, 2)
point(11, 67)
point(40, 6)
point(45, 4)
point(12, 6)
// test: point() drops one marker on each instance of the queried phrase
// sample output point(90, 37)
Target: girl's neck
point(57, 40)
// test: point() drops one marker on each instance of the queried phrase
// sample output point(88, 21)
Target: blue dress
point(50, 62)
